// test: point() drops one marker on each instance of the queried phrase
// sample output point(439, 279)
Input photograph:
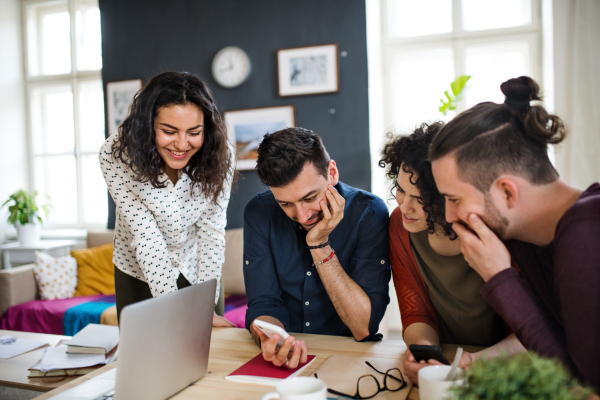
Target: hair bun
point(521, 90)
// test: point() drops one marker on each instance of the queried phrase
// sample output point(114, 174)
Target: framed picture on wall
point(119, 96)
point(308, 70)
point(247, 127)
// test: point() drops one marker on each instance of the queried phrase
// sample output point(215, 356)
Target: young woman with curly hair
point(438, 293)
point(169, 170)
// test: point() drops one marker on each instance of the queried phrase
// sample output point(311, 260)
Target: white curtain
point(577, 88)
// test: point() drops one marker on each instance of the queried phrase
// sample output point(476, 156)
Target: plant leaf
point(458, 88)
point(459, 84)
point(24, 210)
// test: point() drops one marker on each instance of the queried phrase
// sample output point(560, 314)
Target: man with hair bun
point(315, 249)
point(491, 165)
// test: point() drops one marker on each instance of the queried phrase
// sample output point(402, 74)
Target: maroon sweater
point(555, 309)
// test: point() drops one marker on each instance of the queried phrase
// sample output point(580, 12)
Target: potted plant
point(524, 376)
point(24, 215)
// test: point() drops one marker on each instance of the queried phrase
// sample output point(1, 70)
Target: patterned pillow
point(56, 277)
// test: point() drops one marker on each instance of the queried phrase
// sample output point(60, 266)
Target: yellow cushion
point(109, 316)
point(95, 270)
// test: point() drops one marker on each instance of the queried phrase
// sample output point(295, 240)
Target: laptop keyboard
point(106, 396)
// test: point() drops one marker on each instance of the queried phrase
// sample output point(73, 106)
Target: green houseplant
point(524, 376)
point(457, 88)
point(24, 214)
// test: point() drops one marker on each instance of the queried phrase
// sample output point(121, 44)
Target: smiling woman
point(169, 170)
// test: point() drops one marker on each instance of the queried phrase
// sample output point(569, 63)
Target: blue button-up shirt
point(281, 281)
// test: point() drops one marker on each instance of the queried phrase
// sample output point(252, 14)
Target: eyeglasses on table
point(368, 386)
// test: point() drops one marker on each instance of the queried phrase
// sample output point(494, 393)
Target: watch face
point(231, 66)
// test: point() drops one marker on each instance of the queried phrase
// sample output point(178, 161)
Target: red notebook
point(263, 372)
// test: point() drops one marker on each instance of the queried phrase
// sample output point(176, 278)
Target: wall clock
point(231, 67)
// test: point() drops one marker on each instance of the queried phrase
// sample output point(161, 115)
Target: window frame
point(458, 40)
point(73, 78)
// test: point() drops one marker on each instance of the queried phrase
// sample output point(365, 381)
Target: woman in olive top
point(438, 293)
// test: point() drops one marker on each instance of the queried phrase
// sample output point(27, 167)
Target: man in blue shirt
point(315, 249)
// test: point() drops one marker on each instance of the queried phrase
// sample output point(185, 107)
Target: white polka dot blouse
point(162, 232)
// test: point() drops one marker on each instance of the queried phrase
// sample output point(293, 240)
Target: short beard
point(319, 216)
point(493, 219)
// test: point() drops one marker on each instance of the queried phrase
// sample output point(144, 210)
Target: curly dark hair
point(209, 168)
point(411, 153)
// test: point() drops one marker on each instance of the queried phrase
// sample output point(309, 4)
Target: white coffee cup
point(299, 388)
point(433, 384)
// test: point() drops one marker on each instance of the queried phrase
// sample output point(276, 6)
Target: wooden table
point(13, 371)
point(230, 348)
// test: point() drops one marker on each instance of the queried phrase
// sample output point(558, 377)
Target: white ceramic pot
point(28, 234)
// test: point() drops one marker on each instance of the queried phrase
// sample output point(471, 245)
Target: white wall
point(13, 140)
point(577, 89)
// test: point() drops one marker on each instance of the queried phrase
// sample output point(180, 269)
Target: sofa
point(18, 287)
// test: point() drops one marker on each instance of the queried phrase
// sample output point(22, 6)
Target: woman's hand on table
point(221, 322)
point(292, 353)
point(411, 367)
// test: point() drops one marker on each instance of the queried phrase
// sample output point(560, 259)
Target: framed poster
point(247, 127)
point(308, 70)
point(119, 96)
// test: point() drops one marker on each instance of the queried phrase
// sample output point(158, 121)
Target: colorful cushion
point(237, 316)
point(95, 270)
point(59, 317)
point(56, 277)
point(109, 316)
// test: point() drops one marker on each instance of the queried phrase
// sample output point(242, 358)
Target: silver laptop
point(163, 348)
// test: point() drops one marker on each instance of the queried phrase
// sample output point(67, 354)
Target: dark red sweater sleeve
point(576, 282)
point(413, 298)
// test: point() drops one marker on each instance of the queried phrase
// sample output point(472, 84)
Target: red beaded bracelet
point(325, 260)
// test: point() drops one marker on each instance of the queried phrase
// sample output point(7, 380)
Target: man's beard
point(493, 219)
point(319, 217)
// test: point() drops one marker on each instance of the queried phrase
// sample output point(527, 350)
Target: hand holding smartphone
point(270, 329)
point(425, 352)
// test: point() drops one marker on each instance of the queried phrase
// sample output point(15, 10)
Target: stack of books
point(95, 340)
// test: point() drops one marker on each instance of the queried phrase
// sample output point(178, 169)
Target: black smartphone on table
point(425, 352)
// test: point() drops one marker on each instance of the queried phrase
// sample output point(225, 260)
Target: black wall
point(141, 38)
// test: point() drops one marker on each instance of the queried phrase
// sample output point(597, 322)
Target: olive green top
point(465, 317)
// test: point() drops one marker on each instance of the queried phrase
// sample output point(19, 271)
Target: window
point(66, 109)
point(422, 46)
point(428, 43)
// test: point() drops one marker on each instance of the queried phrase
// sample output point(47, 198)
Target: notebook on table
point(264, 372)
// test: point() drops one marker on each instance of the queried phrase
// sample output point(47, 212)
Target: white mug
point(433, 384)
point(299, 388)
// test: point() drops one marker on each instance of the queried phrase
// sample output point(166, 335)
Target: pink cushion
point(237, 316)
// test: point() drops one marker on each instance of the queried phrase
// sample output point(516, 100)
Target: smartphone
point(425, 352)
point(270, 329)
